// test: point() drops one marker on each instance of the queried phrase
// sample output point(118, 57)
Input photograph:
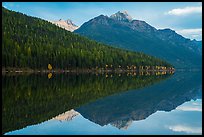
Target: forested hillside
point(30, 42)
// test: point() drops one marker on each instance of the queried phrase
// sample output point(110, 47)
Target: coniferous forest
point(30, 42)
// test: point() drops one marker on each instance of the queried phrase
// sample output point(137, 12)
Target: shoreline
point(93, 70)
point(81, 70)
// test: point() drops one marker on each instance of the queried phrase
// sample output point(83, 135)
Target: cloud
point(191, 106)
point(191, 33)
point(185, 11)
point(187, 129)
point(186, 108)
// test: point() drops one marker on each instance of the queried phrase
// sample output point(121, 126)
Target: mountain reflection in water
point(121, 109)
point(35, 98)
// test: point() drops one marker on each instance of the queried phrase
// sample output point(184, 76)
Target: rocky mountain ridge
point(66, 24)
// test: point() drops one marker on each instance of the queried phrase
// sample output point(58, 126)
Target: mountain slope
point(35, 43)
point(119, 30)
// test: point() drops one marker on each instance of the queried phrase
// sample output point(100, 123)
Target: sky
point(183, 17)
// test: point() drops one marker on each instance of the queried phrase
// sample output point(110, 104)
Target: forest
point(31, 42)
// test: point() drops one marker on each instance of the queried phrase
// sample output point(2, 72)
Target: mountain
point(30, 42)
point(124, 16)
point(120, 30)
point(66, 24)
point(174, 38)
point(197, 46)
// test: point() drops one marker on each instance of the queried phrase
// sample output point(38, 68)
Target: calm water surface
point(102, 104)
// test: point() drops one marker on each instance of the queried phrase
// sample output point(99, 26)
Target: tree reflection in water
point(34, 98)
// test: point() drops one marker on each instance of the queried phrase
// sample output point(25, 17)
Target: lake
point(128, 103)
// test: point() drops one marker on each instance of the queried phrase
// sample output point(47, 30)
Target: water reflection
point(177, 122)
point(49, 75)
point(121, 109)
point(67, 116)
point(31, 99)
point(71, 98)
